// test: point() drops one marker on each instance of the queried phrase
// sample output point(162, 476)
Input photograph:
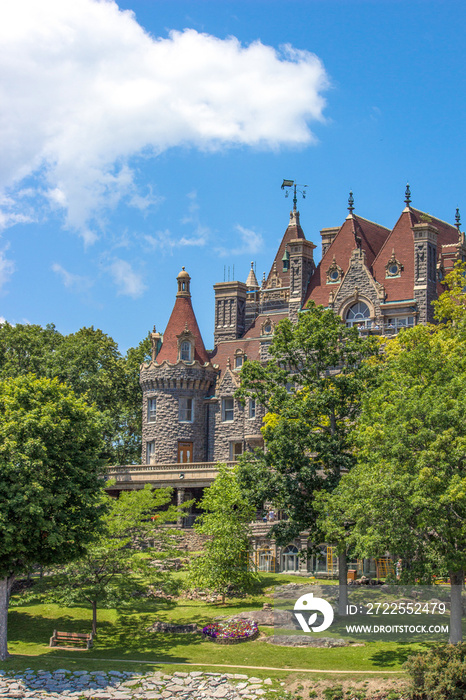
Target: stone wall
point(168, 384)
point(358, 284)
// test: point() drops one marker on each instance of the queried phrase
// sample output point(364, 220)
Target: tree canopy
point(311, 388)
point(50, 481)
point(109, 571)
point(407, 493)
point(90, 363)
point(224, 563)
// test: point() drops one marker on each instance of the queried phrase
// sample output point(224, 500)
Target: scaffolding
point(265, 560)
point(332, 560)
point(384, 567)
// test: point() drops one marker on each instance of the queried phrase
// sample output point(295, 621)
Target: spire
point(407, 195)
point(182, 326)
point(251, 282)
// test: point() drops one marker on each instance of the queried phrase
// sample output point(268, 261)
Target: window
point(185, 411)
point(252, 408)
point(228, 409)
point(358, 315)
point(185, 351)
point(236, 449)
point(290, 558)
point(151, 410)
point(239, 359)
point(150, 452)
point(393, 325)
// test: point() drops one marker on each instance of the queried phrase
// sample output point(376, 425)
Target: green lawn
point(123, 636)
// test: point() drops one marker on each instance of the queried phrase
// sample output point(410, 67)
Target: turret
point(175, 385)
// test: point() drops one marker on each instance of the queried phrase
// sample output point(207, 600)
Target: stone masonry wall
point(167, 384)
point(226, 432)
point(357, 283)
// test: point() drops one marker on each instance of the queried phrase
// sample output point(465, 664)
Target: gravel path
point(115, 685)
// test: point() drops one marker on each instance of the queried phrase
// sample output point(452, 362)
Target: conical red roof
point(182, 318)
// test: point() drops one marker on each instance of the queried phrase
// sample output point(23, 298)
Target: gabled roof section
point(292, 232)
point(182, 318)
point(355, 232)
point(224, 354)
point(400, 242)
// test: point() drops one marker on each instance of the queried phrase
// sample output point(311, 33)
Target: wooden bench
point(71, 640)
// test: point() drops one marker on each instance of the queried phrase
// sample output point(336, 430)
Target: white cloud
point(72, 281)
point(2, 320)
point(166, 241)
point(250, 242)
point(84, 88)
point(7, 267)
point(128, 282)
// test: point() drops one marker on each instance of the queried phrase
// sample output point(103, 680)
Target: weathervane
point(292, 183)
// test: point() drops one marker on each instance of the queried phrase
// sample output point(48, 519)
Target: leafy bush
point(335, 693)
point(439, 674)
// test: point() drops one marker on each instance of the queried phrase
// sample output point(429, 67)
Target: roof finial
point(351, 203)
point(407, 195)
point(457, 219)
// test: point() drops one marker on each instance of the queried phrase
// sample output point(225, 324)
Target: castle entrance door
point(185, 452)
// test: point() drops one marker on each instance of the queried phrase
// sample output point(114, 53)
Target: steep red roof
point(355, 231)
point(292, 232)
point(182, 318)
point(401, 242)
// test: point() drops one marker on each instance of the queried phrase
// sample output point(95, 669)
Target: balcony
point(195, 474)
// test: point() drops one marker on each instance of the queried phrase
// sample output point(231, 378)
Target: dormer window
point(186, 351)
point(186, 345)
point(393, 268)
point(334, 273)
point(267, 327)
point(240, 357)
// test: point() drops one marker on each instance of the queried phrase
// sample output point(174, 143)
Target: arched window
point(358, 315)
point(185, 351)
point(290, 558)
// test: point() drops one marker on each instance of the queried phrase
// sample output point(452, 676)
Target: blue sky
point(140, 136)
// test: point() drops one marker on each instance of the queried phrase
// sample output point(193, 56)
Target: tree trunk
point(94, 617)
point(5, 587)
point(456, 609)
point(342, 584)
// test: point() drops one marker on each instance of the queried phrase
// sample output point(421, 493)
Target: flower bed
point(231, 631)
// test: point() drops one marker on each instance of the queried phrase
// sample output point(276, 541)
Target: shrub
point(439, 674)
point(335, 693)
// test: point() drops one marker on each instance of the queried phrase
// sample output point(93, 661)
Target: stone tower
point(175, 386)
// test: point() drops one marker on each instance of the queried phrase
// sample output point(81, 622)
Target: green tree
point(90, 363)
point(224, 562)
point(28, 349)
point(407, 494)
point(311, 389)
point(111, 569)
point(50, 482)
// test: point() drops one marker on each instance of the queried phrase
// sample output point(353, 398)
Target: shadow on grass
point(388, 658)
point(127, 637)
point(31, 628)
point(130, 636)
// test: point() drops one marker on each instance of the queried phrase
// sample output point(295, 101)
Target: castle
point(378, 279)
